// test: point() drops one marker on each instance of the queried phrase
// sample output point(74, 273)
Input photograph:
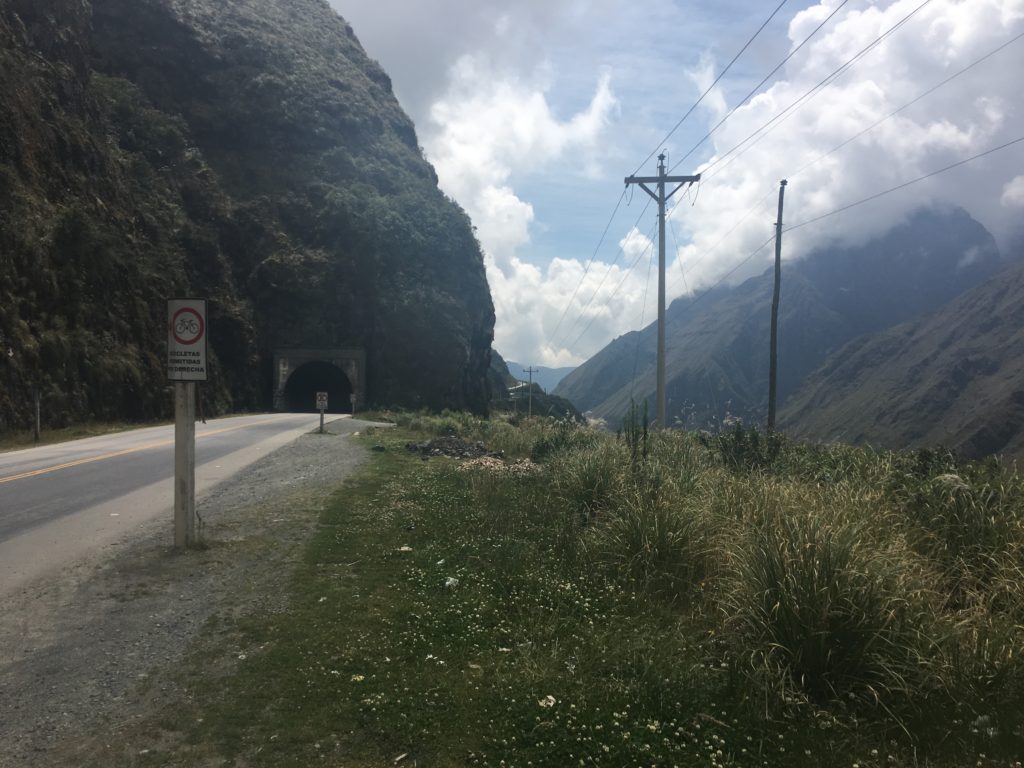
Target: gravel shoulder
point(85, 653)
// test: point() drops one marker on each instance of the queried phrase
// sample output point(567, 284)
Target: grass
point(15, 441)
point(651, 599)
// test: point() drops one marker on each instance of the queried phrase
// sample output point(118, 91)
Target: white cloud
point(1013, 193)
point(492, 125)
point(970, 114)
point(505, 94)
point(714, 102)
point(539, 301)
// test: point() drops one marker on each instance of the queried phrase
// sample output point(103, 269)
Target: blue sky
point(533, 112)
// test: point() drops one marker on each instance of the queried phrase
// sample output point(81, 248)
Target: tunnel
point(317, 376)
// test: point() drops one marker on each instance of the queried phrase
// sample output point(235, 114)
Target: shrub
point(971, 514)
point(816, 605)
point(658, 545)
point(586, 481)
point(744, 450)
point(557, 436)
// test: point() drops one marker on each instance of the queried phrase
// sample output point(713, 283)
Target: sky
point(533, 112)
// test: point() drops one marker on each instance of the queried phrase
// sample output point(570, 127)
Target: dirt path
point(80, 652)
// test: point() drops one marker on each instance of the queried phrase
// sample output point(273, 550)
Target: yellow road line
point(126, 451)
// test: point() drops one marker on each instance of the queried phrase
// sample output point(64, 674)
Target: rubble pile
point(454, 448)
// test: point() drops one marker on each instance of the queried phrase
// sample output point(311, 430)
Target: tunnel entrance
point(300, 373)
point(317, 376)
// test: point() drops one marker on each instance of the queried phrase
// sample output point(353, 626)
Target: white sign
point(321, 401)
point(186, 339)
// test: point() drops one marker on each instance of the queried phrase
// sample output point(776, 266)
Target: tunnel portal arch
point(300, 373)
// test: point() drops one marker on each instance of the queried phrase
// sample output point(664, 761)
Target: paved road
point(60, 500)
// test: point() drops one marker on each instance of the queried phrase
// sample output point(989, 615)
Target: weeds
point(816, 607)
point(744, 449)
point(655, 599)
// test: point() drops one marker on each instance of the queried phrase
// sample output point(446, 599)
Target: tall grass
point(816, 604)
point(831, 576)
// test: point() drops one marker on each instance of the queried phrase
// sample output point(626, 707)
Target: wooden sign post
point(321, 405)
point(186, 364)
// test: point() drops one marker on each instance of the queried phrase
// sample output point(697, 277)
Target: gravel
point(86, 652)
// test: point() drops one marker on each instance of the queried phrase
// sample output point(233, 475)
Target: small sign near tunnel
point(321, 401)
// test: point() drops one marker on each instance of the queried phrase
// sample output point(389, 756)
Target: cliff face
point(243, 150)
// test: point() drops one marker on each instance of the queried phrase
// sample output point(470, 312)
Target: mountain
point(547, 378)
point(247, 151)
point(717, 342)
point(954, 378)
point(499, 377)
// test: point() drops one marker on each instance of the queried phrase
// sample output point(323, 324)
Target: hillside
point(717, 343)
point(247, 151)
point(954, 378)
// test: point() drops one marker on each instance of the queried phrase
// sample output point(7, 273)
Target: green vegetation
point(13, 441)
point(647, 599)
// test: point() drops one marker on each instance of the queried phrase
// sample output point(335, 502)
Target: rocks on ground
point(453, 447)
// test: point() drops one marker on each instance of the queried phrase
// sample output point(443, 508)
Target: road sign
point(321, 401)
point(186, 340)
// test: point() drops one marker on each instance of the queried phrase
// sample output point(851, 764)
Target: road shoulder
point(80, 649)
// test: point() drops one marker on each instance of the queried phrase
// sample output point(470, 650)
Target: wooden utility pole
point(773, 352)
point(661, 197)
point(530, 371)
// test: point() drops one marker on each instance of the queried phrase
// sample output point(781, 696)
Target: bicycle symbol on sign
point(187, 326)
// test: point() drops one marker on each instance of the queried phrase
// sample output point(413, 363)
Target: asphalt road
point(60, 500)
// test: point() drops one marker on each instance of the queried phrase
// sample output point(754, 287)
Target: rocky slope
point(954, 378)
point(243, 150)
point(717, 343)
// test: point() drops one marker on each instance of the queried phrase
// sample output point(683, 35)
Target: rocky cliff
point(247, 151)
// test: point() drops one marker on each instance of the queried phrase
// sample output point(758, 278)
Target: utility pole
point(773, 352)
point(660, 197)
point(530, 371)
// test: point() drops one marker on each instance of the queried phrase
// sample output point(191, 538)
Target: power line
point(764, 80)
point(675, 242)
point(808, 95)
point(743, 262)
point(648, 249)
point(643, 312)
point(910, 103)
point(604, 278)
point(853, 138)
point(905, 184)
point(593, 256)
point(759, 204)
point(711, 87)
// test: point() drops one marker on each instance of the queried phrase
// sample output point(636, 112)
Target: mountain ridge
point(953, 378)
point(717, 346)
